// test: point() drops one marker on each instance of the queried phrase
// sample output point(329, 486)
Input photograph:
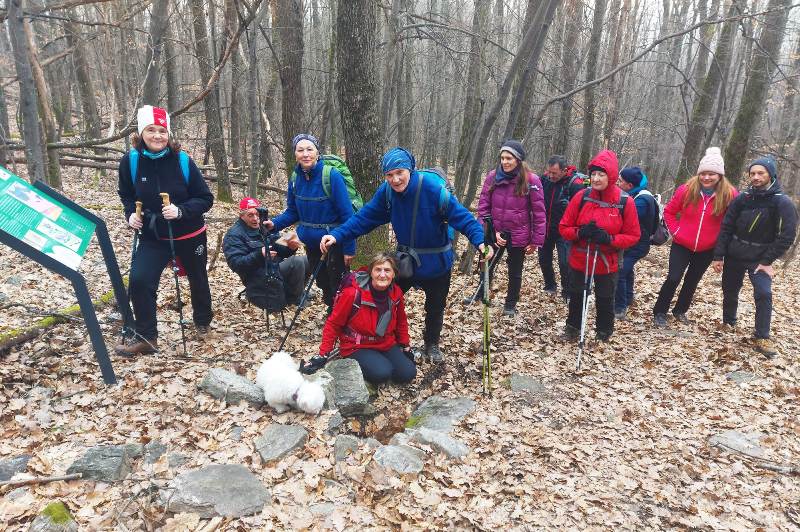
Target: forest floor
point(622, 444)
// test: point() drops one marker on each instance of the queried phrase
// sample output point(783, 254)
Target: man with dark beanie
point(633, 181)
point(759, 227)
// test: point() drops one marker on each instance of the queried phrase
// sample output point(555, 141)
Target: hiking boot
point(621, 313)
point(728, 327)
point(565, 296)
point(434, 353)
point(604, 336)
point(766, 347)
point(131, 347)
point(570, 333)
point(509, 310)
point(681, 317)
point(550, 290)
point(660, 320)
point(201, 331)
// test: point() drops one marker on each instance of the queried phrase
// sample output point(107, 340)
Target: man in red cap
point(245, 253)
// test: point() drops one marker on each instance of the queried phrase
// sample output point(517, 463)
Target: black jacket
point(557, 196)
point(759, 226)
point(164, 175)
point(242, 248)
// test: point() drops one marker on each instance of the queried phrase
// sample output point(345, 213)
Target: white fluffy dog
point(284, 387)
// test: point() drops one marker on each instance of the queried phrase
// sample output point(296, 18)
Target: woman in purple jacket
point(512, 195)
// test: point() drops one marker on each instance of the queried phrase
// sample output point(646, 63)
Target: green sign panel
point(42, 222)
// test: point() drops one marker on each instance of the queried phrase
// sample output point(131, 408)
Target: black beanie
point(768, 163)
point(632, 175)
point(514, 147)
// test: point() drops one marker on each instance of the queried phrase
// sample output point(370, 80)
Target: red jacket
point(357, 330)
point(694, 227)
point(624, 230)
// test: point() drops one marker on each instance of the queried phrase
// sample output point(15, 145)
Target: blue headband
point(305, 136)
point(398, 158)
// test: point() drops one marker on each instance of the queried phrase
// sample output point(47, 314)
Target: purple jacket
point(523, 216)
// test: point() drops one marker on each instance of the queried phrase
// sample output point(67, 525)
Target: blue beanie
point(305, 136)
point(768, 163)
point(398, 158)
point(632, 175)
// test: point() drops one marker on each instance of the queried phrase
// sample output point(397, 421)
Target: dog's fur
point(284, 387)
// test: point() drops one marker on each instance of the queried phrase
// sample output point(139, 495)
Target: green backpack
point(334, 161)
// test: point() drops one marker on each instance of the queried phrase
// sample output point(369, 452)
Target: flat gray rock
point(740, 377)
point(344, 446)
point(326, 381)
point(335, 424)
point(440, 413)
point(176, 460)
point(399, 458)
point(524, 383)
point(55, 517)
point(279, 440)
point(11, 466)
point(233, 388)
point(350, 392)
point(227, 490)
point(153, 451)
point(747, 444)
point(106, 463)
point(440, 441)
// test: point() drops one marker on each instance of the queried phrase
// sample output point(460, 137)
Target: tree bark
point(356, 31)
point(171, 74)
point(570, 58)
point(756, 89)
point(289, 28)
point(91, 115)
point(236, 122)
point(588, 136)
point(158, 25)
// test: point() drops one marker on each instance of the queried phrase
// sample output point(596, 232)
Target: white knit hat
point(712, 162)
point(149, 115)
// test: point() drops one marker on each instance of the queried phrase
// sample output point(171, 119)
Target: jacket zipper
point(755, 221)
point(702, 216)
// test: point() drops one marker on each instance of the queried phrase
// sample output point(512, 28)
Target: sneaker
point(728, 327)
point(681, 317)
point(509, 310)
point(201, 331)
point(604, 336)
point(621, 313)
point(131, 347)
point(570, 333)
point(766, 347)
point(660, 320)
point(434, 353)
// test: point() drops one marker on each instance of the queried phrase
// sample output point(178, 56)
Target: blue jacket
point(646, 209)
point(314, 212)
point(431, 230)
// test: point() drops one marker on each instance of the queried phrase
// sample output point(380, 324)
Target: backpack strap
point(133, 162)
point(623, 197)
point(326, 179)
point(183, 159)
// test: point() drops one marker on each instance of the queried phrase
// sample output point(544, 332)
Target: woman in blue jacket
point(316, 213)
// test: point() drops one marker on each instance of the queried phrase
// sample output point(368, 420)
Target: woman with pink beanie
point(694, 217)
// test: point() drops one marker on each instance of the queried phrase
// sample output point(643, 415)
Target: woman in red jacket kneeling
point(369, 320)
point(598, 222)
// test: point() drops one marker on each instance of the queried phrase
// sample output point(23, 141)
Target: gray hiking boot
point(433, 353)
point(509, 310)
point(620, 314)
point(681, 317)
point(660, 320)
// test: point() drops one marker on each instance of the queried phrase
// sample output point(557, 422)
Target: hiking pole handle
point(164, 198)
point(139, 209)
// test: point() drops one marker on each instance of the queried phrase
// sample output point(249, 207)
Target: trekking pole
point(492, 266)
point(303, 298)
point(488, 240)
point(165, 202)
point(587, 294)
point(135, 245)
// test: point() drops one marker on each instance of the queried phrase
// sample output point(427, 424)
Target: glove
point(315, 364)
point(409, 354)
point(586, 231)
point(601, 236)
point(171, 212)
point(135, 221)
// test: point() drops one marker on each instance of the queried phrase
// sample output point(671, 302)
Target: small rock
point(344, 446)
point(335, 424)
point(401, 438)
point(740, 377)
point(16, 494)
point(113, 317)
point(236, 433)
point(326, 381)
point(350, 392)
point(492, 421)
point(106, 463)
point(54, 518)
point(12, 466)
point(278, 441)
point(227, 490)
point(524, 383)
point(439, 413)
point(153, 451)
point(322, 509)
point(233, 388)
point(176, 460)
point(135, 450)
point(441, 442)
point(398, 458)
point(14, 280)
point(372, 443)
point(744, 443)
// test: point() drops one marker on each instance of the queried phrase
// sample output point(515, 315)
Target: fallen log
point(40, 480)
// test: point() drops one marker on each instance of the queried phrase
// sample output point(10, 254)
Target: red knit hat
point(249, 203)
point(149, 115)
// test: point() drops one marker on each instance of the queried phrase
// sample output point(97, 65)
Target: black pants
point(331, 273)
point(381, 366)
point(515, 260)
point(436, 290)
point(546, 262)
point(149, 262)
point(604, 287)
point(732, 279)
point(681, 259)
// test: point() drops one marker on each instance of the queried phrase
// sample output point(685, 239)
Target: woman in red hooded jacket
point(369, 320)
point(599, 223)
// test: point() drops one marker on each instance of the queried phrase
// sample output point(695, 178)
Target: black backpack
point(267, 292)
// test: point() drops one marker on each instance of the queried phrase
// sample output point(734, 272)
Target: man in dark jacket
point(245, 253)
point(633, 181)
point(561, 182)
point(758, 229)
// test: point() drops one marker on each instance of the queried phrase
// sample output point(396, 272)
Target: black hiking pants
point(732, 279)
point(436, 290)
point(331, 273)
point(681, 259)
point(604, 287)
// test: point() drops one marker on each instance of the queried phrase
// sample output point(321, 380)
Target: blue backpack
point(437, 175)
point(183, 159)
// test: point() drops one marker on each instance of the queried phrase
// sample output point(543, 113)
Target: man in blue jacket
point(633, 181)
point(431, 242)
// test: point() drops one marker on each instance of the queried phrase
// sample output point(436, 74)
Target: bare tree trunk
point(236, 122)
point(526, 106)
point(756, 88)
point(31, 134)
point(587, 144)
point(356, 32)
point(5, 128)
point(216, 137)
point(615, 89)
point(392, 67)
point(254, 107)
point(570, 57)
point(289, 26)
point(158, 25)
point(171, 73)
point(91, 116)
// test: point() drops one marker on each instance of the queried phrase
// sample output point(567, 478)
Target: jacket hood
point(607, 160)
point(643, 185)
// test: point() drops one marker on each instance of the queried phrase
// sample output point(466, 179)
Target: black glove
point(587, 231)
point(315, 364)
point(601, 236)
point(409, 353)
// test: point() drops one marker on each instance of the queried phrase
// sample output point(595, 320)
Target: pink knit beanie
point(712, 162)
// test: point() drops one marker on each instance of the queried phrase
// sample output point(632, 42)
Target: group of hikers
point(599, 224)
